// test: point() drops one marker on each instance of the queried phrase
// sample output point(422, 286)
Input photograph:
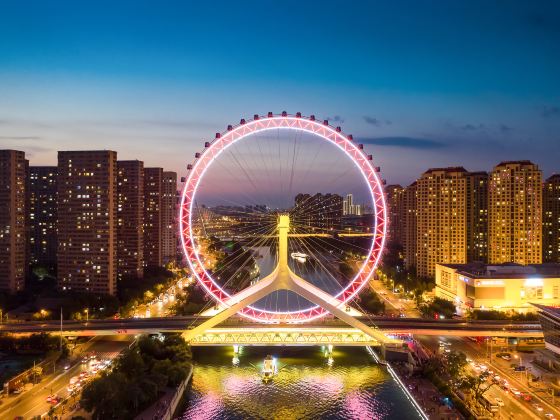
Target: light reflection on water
point(304, 388)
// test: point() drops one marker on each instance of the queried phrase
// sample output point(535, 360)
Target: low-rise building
point(503, 287)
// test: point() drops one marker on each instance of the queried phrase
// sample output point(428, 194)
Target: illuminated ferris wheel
point(281, 198)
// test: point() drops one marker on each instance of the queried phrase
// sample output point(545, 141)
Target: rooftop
point(507, 270)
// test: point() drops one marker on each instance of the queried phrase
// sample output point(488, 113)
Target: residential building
point(515, 213)
point(12, 220)
point(153, 193)
point(169, 218)
point(42, 216)
point(477, 217)
point(410, 239)
point(130, 218)
point(551, 219)
point(87, 214)
point(441, 219)
point(396, 213)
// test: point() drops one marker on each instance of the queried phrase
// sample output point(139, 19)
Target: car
point(18, 390)
point(527, 397)
point(538, 407)
point(50, 398)
point(506, 357)
point(515, 392)
point(499, 401)
point(550, 416)
point(66, 367)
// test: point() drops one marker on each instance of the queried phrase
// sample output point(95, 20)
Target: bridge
point(317, 331)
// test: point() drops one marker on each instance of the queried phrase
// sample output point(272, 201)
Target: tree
point(456, 361)
point(477, 384)
point(439, 307)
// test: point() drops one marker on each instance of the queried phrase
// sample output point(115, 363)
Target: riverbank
point(166, 406)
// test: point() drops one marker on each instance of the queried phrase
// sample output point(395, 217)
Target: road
point(33, 402)
point(394, 301)
point(515, 408)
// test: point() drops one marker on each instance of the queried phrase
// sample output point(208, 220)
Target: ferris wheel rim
point(260, 124)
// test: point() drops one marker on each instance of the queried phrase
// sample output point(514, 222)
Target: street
point(34, 401)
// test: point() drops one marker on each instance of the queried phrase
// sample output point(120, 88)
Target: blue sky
point(422, 83)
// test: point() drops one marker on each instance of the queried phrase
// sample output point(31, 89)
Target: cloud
point(403, 142)
point(472, 127)
point(550, 111)
point(20, 138)
point(336, 118)
point(375, 121)
point(504, 129)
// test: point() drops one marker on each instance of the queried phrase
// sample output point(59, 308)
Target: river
point(307, 386)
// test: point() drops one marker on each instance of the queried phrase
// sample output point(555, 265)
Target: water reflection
point(307, 386)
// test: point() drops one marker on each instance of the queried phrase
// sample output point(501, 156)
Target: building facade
point(441, 219)
point(410, 227)
point(87, 213)
point(515, 213)
point(130, 219)
point(396, 213)
point(12, 220)
point(502, 287)
point(42, 216)
point(551, 219)
point(477, 217)
point(169, 217)
point(153, 192)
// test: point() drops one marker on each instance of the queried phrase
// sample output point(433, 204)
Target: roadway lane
point(515, 408)
point(33, 402)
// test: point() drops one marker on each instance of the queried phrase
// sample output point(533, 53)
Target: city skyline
point(67, 84)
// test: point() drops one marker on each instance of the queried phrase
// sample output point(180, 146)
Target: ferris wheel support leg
point(326, 301)
point(236, 303)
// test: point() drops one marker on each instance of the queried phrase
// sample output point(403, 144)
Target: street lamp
point(87, 315)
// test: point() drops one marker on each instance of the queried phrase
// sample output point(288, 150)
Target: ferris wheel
point(283, 171)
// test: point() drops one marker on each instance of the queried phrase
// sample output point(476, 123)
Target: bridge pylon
point(283, 278)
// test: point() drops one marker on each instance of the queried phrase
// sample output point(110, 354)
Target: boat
point(269, 368)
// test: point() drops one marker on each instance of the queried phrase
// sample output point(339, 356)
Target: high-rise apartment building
point(396, 213)
point(153, 188)
point(87, 214)
point(442, 219)
point(169, 217)
point(42, 216)
point(514, 213)
point(410, 226)
point(349, 208)
point(477, 217)
point(12, 220)
point(130, 218)
point(551, 219)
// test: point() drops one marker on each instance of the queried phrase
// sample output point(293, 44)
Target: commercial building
point(549, 317)
point(153, 192)
point(477, 217)
point(503, 287)
point(441, 219)
point(87, 213)
point(396, 213)
point(410, 226)
point(130, 218)
point(514, 213)
point(42, 216)
point(169, 217)
point(12, 220)
point(551, 219)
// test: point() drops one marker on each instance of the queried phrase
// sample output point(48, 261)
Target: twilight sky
point(422, 83)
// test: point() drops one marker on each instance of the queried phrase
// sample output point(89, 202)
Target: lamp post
point(87, 315)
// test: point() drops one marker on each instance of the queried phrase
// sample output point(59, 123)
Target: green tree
point(476, 384)
point(456, 361)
